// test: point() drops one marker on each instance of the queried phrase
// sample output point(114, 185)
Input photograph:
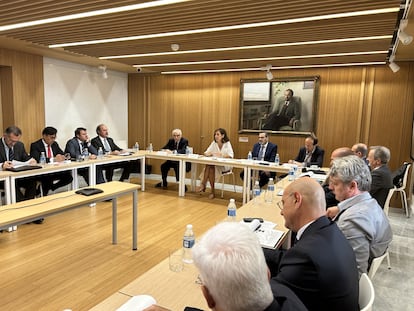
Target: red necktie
point(49, 152)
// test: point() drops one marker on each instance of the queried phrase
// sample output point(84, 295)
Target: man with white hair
point(176, 144)
point(360, 218)
point(234, 274)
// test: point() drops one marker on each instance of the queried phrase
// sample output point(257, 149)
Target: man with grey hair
point(360, 218)
point(378, 158)
point(234, 273)
point(177, 144)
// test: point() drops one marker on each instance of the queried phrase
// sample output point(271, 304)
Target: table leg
point(134, 219)
point(114, 221)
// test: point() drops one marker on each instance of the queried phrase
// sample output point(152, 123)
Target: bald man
point(320, 268)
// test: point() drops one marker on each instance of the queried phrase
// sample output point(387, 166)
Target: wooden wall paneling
point(349, 107)
point(137, 109)
point(392, 113)
point(6, 88)
point(28, 93)
point(338, 109)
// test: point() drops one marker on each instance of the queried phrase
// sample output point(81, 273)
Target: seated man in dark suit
point(109, 147)
point(310, 154)
point(76, 146)
point(378, 158)
point(234, 274)
point(12, 149)
point(264, 151)
point(53, 153)
point(320, 268)
point(176, 144)
point(288, 109)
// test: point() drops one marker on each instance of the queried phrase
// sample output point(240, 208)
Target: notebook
point(23, 168)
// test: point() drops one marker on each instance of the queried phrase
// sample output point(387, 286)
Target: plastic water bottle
point(187, 150)
point(249, 156)
point(188, 243)
point(231, 211)
point(277, 159)
point(270, 191)
point(291, 174)
point(42, 159)
point(85, 153)
point(136, 147)
point(150, 148)
point(256, 192)
point(100, 153)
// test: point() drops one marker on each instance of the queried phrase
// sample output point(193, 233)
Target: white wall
point(78, 96)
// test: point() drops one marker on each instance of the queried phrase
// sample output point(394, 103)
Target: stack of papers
point(138, 303)
point(268, 237)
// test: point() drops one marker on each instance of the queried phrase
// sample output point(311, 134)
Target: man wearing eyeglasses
point(264, 150)
point(320, 268)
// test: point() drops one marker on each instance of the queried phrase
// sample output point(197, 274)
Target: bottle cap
point(232, 200)
point(189, 226)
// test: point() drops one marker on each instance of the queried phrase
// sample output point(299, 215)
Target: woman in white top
point(221, 148)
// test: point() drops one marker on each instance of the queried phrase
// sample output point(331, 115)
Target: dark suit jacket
point(20, 153)
point(97, 142)
point(38, 147)
point(293, 110)
point(182, 144)
point(284, 299)
point(72, 146)
point(270, 153)
point(316, 159)
point(320, 268)
point(381, 183)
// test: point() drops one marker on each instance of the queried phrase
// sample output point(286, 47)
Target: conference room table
point(176, 290)
point(29, 210)
point(248, 166)
point(10, 178)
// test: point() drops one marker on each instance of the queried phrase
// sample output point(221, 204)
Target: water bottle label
point(188, 243)
point(257, 192)
point(231, 212)
point(270, 188)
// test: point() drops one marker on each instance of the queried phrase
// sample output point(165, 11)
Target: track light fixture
point(405, 38)
point(104, 73)
point(269, 75)
point(393, 66)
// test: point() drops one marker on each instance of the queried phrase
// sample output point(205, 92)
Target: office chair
point(221, 179)
point(366, 293)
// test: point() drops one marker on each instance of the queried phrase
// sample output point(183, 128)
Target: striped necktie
point(11, 154)
point(261, 153)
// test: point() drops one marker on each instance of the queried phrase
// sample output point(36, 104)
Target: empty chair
point(403, 193)
point(366, 293)
point(223, 175)
point(376, 262)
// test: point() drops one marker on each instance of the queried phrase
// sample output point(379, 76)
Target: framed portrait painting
point(285, 105)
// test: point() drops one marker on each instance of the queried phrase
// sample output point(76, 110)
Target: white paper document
point(268, 236)
point(137, 303)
